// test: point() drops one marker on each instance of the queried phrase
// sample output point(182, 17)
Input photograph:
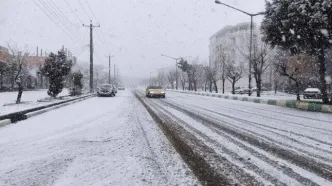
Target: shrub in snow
point(56, 68)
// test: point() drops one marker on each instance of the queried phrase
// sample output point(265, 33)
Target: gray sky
point(136, 32)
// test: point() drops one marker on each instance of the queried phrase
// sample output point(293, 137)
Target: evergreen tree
point(56, 68)
point(77, 79)
point(301, 26)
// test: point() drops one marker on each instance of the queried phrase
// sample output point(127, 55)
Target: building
point(232, 41)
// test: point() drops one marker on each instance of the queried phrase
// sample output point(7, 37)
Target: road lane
point(288, 145)
point(99, 141)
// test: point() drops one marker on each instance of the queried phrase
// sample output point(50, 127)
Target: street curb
point(5, 122)
point(38, 112)
point(283, 103)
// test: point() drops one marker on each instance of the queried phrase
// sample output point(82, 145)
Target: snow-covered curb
point(5, 122)
point(21, 115)
point(35, 113)
point(283, 103)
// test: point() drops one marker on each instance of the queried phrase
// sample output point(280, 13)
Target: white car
point(312, 93)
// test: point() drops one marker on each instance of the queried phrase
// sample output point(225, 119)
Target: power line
point(46, 6)
point(103, 37)
point(65, 19)
point(91, 9)
point(71, 37)
point(73, 12)
point(84, 9)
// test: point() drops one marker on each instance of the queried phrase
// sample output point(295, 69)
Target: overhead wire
point(55, 22)
point(65, 19)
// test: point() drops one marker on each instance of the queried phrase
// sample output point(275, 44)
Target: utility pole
point(91, 53)
point(117, 76)
point(114, 74)
point(37, 52)
point(109, 68)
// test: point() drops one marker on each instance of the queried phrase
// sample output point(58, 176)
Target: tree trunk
point(215, 85)
point(183, 85)
point(297, 91)
point(205, 86)
point(322, 74)
point(259, 86)
point(195, 86)
point(233, 87)
point(210, 85)
point(20, 91)
point(223, 85)
point(1, 79)
point(275, 87)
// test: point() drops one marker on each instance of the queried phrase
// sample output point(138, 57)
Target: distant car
point(106, 90)
point(121, 88)
point(155, 91)
point(312, 93)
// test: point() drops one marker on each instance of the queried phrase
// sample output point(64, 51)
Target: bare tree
point(17, 61)
point(234, 74)
point(183, 79)
point(294, 68)
point(207, 78)
point(260, 61)
point(171, 77)
point(161, 77)
point(197, 72)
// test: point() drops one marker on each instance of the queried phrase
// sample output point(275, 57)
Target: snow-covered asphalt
point(99, 141)
point(258, 144)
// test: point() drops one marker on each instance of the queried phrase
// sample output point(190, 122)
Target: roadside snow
point(29, 100)
point(99, 141)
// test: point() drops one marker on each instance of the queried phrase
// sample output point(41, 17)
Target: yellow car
point(155, 91)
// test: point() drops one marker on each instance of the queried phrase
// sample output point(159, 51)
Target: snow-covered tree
point(17, 68)
point(56, 68)
point(301, 26)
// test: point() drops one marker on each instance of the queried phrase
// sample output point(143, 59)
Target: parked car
point(155, 91)
point(241, 90)
point(312, 93)
point(106, 90)
point(121, 88)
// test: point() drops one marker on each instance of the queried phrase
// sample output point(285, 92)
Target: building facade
point(232, 41)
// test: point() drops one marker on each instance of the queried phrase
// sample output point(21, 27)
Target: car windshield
point(155, 87)
point(165, 92)
point(106, 86)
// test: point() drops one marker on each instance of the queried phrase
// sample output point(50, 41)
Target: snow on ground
point(29, 100)
point(99, 141)
point(305, 135)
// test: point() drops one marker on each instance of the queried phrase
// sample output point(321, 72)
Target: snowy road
point(253, 143)
point(99, 141)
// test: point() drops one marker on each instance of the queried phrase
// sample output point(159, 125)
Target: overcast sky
point(136, 32)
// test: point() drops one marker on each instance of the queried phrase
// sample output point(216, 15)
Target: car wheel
point(164, 96)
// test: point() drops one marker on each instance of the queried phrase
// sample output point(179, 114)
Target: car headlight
point(163, 92)
point(151, 92)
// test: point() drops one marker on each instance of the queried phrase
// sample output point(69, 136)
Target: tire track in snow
point(262, 127)
point(327, 131)
point(304, 162)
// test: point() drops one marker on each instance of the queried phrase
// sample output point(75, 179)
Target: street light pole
point(251, 36)
point(176, 67)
